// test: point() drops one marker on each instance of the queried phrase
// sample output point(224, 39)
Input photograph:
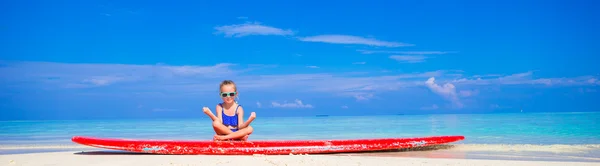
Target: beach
point(494, 139)
point(447, 154)
point(78, 158)
point(348, 83)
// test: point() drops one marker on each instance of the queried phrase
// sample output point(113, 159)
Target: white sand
point(72, 159)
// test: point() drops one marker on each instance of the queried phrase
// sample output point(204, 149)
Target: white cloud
point(344, 107)
point(432, 107)
point(487, 75)
point(447, 91)
point(347, 39)
point(359, 63)
point(437, 73)
point(296, 104)
point(193, 70)
point(405, 52)
point(247, 29)
point(103, 80)
point(85, 75)
point(164, 110)
point(586, 90)
point(468, 93)
point(409, 58)
point(258, 104)
point(161, 80)
point(313, 67)
point(593, 80)
point(494, 106)
point(363, 96)
point(526, 78)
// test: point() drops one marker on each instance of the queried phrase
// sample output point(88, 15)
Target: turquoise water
point(519, 131)
point(526, 128)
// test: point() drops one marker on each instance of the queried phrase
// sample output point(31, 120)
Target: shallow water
point(530, 134)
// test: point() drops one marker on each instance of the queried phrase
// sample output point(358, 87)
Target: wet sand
point(118, 158)
point(434, 155)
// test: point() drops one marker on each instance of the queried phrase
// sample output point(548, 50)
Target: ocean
point(571, 136)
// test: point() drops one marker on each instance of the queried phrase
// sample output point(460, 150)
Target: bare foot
point(218, 137)
point(245, 138)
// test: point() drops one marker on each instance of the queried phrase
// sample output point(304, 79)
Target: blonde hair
point(227, 82)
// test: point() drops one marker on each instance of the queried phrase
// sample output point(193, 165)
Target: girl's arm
point(250, 119)
point(209, 113)
point(218, 111)
point(240, 113)
point(241, 123)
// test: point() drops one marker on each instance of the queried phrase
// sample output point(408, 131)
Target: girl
point(229, 122)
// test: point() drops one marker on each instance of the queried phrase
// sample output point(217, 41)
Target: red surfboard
point(267, 147)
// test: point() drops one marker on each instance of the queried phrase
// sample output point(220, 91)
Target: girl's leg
point(242, 133)
point(221, 129)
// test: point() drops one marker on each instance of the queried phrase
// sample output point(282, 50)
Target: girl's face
point(228, 94)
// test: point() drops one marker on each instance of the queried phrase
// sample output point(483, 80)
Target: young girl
point(229, 122)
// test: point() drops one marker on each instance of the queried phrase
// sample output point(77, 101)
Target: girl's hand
point(252, 115)
point(206, 110)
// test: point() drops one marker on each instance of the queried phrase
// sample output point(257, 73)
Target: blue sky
point(151, 59)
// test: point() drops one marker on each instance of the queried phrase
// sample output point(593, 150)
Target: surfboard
point(266, 147)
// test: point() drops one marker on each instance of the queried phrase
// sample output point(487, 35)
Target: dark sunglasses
point(228, 94)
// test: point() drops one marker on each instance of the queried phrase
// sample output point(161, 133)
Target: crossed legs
point(224, 133)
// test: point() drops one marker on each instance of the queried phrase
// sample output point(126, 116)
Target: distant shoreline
point(300, 116)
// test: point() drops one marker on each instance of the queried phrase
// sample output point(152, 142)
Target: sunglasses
point(228, 94)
